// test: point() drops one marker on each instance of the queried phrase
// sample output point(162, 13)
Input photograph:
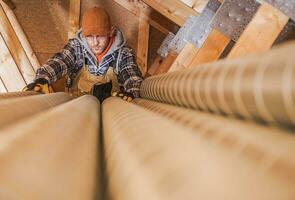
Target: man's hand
point(123, 95)
point(39, 85)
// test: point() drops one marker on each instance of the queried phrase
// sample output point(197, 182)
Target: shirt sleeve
point(59, 65)
point(129, 73)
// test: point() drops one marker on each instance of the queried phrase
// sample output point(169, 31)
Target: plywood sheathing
point(45, 23)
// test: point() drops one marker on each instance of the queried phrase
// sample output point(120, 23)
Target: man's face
point(97, 44)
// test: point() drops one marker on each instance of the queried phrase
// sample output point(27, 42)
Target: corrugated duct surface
point(150, 157)
point(259, 87)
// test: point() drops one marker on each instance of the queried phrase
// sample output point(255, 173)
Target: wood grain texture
point(21, 36)
point(16, 48)
point(143, 43)
point(174, 10)
point(166, 63)
point(74, 17)
point(185, 57)
point(9, 72)
point(211, 49)
point(261, 32)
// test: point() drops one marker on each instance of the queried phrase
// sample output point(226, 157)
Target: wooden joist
point(197, 5)
point(211, 49)
point(143, 43)
point(74, 17)
point(11, 78)
point(174, 10)
point(16, 48)
point(155, 24)
point(3, 89)
point(258, 36)
point(10, 4)
point(166, 63)
point(185, 57)
point(21, 36)
point(138, 9)
point(261, 32)
point(154, 66)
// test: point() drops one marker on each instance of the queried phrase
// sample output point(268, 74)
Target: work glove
point(123, 95)
point(39, 85)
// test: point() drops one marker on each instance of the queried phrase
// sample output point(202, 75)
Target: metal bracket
point(164, 48)
point(200, 29)
point(233, 16)
point(178, 43)
point(285, 6)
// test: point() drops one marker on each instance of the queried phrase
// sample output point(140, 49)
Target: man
point(87, 59)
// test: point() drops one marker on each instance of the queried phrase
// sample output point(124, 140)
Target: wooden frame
point(261, 32)
point(21, 36)
point(11, 77)
point(174, 10)
point(258, 36)
point(143, 43)
point(74, 17)
point(15, 48)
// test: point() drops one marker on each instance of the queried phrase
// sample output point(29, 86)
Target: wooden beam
point(154, 66)
point(21, 36)
point(16, 48)
point(197, 5)
point(261, 32)
point(10, 4)
point(158, 26)
point(167, 63)
point(9, 73)
point(174, 10)
point(143, 43)
point(211, 49)
point(138, 8)
point(132, 7)
point(3, 88)
point(185, 57)
point(74, 17)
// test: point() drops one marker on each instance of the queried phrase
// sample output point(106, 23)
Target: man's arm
point(129, 72)
point(59, 65)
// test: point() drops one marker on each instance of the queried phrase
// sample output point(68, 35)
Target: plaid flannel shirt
point(70, 60)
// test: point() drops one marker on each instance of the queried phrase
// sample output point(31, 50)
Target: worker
point(96, 62)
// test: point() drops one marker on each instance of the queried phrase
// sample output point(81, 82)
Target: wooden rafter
point(11, 77)
point(261, 32)
point(21, 36)
point(138, 9)
point(185, 57)
point(16, 48)
point(143, 43)
point(211, 49)
point(166, 63)
point(74, 17)
point(10, 4)
point(3, 89)
point(197, 5)
point(174, 10)
point(154, 66)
